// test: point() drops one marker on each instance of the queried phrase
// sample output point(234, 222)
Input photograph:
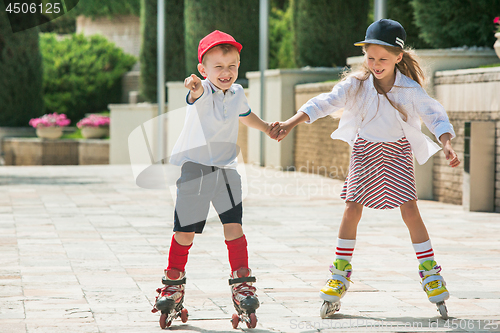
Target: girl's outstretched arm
point(288, 125)
point(448, 150)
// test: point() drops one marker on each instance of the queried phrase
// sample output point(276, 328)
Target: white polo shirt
point(210, 129)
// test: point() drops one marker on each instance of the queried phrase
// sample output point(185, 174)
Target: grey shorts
point(197, 187)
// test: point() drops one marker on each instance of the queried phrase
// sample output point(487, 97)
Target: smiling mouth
point(378, 71)
point(225, 80)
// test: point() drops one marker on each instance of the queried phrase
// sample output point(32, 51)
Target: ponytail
point(410, 67)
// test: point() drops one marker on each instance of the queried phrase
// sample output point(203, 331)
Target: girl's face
point(382, 63)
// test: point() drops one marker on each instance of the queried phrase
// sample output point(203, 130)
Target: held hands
point(278, 130)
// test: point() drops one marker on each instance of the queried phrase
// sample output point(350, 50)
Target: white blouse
point(405, 92)
point(380, 123)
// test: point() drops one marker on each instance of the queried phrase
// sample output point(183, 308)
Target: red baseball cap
point(216, 38)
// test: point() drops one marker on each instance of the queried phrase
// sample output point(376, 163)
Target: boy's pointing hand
point(192, 83)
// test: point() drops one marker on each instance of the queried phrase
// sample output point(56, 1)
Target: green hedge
point(326, 30)
point(20, 74)
point(452, 23)
point(82, 74)
point(239, 18)
point(174, 46)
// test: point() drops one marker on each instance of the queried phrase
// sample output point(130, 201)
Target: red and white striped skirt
point(381, 174)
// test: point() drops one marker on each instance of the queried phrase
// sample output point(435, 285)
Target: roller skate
point(335, 287)
point(170, 298)
point(434, 285)
point(244, 298)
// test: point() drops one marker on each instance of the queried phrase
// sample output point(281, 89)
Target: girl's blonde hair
point(408, 66)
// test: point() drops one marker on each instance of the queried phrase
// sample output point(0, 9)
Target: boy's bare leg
point(349, 225)
point(412, 219)
point(232, 231)
point(184, 238)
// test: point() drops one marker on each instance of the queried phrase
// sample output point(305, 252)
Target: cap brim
point(374, 41)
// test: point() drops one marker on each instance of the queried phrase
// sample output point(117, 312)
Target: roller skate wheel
point(163, 321)
point(328, 309)
point(252, 321)
point(443, 311)
point(184, 315)
point(235, 320)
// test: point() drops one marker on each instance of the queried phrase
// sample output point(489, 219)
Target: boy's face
point(221, 69)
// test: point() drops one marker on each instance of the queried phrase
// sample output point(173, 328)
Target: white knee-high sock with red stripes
point(424, 251)
point(345, 248)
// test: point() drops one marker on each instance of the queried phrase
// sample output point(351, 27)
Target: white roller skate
point(434, 285)
point(170, 298)
point(335, 288)
point(244, 297)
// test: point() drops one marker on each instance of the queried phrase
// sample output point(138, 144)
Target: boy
point(207, 151)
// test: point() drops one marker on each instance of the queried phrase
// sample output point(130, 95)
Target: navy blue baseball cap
point(385, 32)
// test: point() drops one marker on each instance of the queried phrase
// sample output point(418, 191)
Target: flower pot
point(50, 133)
point(95, 132)
point(497, 44)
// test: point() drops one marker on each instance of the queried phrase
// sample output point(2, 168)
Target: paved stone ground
point(83, 249)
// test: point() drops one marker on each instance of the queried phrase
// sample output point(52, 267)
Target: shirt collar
point(215, 89)
point(397, 80)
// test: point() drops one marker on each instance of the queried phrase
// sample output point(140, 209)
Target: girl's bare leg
point(412, 219)
point(350, 219)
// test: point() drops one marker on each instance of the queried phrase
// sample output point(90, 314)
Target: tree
point(239, 18)
point(326, 30)
point(21, 74)
point(174, 46)
point(403, 12)
point(452, 23)
point(281, 51)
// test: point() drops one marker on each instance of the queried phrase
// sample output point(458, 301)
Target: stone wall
point(124, 31)
point(467, 95)
point(315, 152)
point(35, 151)
point(92, 152)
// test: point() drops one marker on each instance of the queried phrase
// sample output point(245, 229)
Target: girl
point(382, 105)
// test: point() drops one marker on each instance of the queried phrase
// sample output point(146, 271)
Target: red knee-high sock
point(237, 251)
point(178, 255)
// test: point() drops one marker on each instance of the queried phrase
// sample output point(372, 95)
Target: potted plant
point(50, 126)
point(94, 126)
point(497, 35)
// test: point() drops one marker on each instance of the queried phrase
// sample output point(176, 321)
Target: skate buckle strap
point(242, 279)
point(346, 274)
point(432, 278)
point(433, 271)
point(168, 282)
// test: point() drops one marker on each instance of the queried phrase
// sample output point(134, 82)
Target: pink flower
point(50, 120)
point(94, 120)
point(497, 20)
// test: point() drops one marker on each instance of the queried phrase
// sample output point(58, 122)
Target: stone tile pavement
point(82, 249)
